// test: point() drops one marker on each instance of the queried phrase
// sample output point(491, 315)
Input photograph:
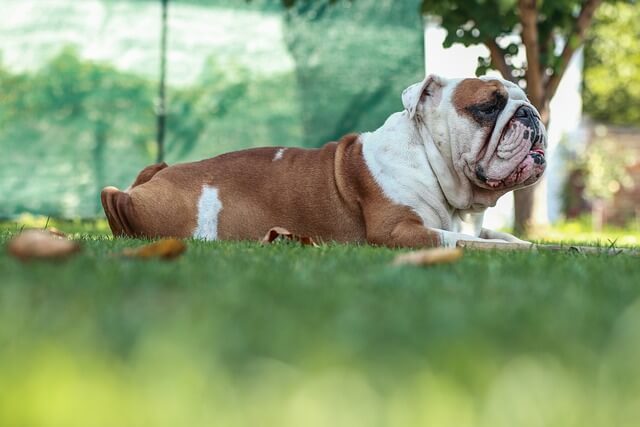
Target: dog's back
point(239, 196)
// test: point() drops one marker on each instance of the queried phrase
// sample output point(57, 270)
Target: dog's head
point(487, 128)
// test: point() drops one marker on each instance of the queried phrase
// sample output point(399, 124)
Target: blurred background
point(82, 83)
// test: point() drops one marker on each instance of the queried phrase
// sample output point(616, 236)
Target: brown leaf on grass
point(282, 233)
point(427, 257)
point(56, 232)
point(164, 249)
point(41, 244)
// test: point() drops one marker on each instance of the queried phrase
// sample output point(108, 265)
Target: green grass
point(242, 334)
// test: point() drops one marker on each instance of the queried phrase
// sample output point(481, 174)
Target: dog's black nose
point(538, 159)
point(480, 174)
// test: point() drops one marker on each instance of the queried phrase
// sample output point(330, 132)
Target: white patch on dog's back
point(209, 207)
point(279, 154)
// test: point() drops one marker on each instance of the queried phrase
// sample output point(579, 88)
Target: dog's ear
point(416, 94)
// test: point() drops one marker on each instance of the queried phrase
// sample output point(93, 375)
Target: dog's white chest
point(469, 223)
point(398, 163)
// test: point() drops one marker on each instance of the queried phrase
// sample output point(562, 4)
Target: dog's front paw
point(495, 241)
point(514, 239)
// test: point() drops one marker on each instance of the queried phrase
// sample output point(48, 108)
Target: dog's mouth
point(519, 158)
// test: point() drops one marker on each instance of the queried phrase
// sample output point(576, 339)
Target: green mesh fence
point(78, 83)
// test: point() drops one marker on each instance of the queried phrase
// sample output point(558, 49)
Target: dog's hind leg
point(118, 206)
point(118, 209)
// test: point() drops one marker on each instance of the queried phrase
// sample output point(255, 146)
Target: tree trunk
point(523, 202)
point(98, 155)
point(161, 103)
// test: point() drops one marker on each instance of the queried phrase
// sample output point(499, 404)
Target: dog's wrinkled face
point(486, 127)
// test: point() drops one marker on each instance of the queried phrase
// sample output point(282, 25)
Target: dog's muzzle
point(528, 117)
point(519, 158)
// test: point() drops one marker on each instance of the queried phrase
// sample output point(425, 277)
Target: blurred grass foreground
point(236, 334)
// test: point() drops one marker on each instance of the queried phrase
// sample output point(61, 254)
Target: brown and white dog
point(423, 179)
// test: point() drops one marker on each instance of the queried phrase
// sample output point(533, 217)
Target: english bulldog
point(423, 179)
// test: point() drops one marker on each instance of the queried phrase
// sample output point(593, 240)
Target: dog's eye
point(487, 112)
point(488, 109)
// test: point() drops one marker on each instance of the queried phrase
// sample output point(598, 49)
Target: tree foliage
point(612, 66)
point(549, 32)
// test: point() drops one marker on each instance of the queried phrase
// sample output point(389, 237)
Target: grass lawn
point(284, 335)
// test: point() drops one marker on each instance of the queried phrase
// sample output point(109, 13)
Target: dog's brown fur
point(326, 193)
point(474, 91)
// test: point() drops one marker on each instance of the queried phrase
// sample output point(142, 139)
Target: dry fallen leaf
point(165, 249)
point(56, 232)
point(429, 257)
point(41, 244)
point(279, 232)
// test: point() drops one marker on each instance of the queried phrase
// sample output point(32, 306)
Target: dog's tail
point(118, 206)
